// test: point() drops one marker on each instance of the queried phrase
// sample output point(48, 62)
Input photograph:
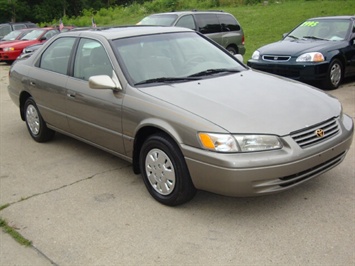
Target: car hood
point(250, 102)
point(298, 47)
point(7, 42)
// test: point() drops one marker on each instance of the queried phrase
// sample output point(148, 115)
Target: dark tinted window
point(228, 23)
point(186, 22)
point(207, 23)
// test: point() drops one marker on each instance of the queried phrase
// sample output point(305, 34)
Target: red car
point(10, 51)
point(14, 36)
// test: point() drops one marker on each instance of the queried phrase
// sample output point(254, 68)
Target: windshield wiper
point(293, 37)
point(314, 38)
point(165, 80)
point(214, 71)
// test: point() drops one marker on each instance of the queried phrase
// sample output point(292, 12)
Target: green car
point(221, 27)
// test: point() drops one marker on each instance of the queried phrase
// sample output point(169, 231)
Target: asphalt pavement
point(81, 206)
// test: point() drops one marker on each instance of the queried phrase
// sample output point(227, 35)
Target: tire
point(334, 75)
point(35, 123)
point(165, 172)
point(232, 50)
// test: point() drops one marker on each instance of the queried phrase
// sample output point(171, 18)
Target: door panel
point(48, 82)
point(94, 114)
point(49, 91)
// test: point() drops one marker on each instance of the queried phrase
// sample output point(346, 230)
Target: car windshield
point(160, 20)
point(173, 57)
point(33, 35)
point(12, 35)
point(321, 29)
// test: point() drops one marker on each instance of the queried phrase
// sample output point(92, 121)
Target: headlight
point(7, 49)
point(311, 57)
point(238, 143)
point(249, 143)
point(256, 55)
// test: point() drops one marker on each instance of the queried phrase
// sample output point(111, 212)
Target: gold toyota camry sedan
point(185, 112)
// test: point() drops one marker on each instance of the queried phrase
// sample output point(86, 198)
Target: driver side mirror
point(103, 82)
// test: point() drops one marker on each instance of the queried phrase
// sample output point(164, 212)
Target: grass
point(14, 234)
point(262, 23)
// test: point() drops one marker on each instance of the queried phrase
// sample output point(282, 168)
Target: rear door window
point(56, 57)
point(207, 23)
point(228, 23)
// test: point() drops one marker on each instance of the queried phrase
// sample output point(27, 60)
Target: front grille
point(276, 58)
point(308, 136)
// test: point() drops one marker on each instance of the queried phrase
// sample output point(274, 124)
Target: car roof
point(191, 12)
point(111, 33)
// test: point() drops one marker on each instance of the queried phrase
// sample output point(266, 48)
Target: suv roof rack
point(196, 10)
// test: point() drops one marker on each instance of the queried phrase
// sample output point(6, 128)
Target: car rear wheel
point(164, 171)
point(334, 75)
point(35, 123)
point(232, 50)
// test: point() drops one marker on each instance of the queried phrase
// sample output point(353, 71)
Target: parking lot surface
point(81, 206)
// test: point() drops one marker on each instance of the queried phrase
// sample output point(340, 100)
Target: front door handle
point(71, 94)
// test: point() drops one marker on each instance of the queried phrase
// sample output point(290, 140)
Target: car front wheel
point(334, 75)
point(35, 123)
point(164, 171)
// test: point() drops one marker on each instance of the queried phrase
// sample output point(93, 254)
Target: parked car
point(29, 50)
point(186, 113)
point(220, 26)
point(318, 50)
point(14, 35)
point(6, 28)
point(10, 51)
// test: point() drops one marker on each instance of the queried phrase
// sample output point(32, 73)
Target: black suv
point(6, 28)
point(221, 27)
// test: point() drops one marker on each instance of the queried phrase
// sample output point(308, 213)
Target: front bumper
point(293, 70)
point(258, 173)
point(9, 56)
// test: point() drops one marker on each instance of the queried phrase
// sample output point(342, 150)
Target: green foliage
point(263, 21)
point(4, 206)
point(15, 235)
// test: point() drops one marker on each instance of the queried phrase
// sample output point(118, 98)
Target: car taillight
point(243, 40)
